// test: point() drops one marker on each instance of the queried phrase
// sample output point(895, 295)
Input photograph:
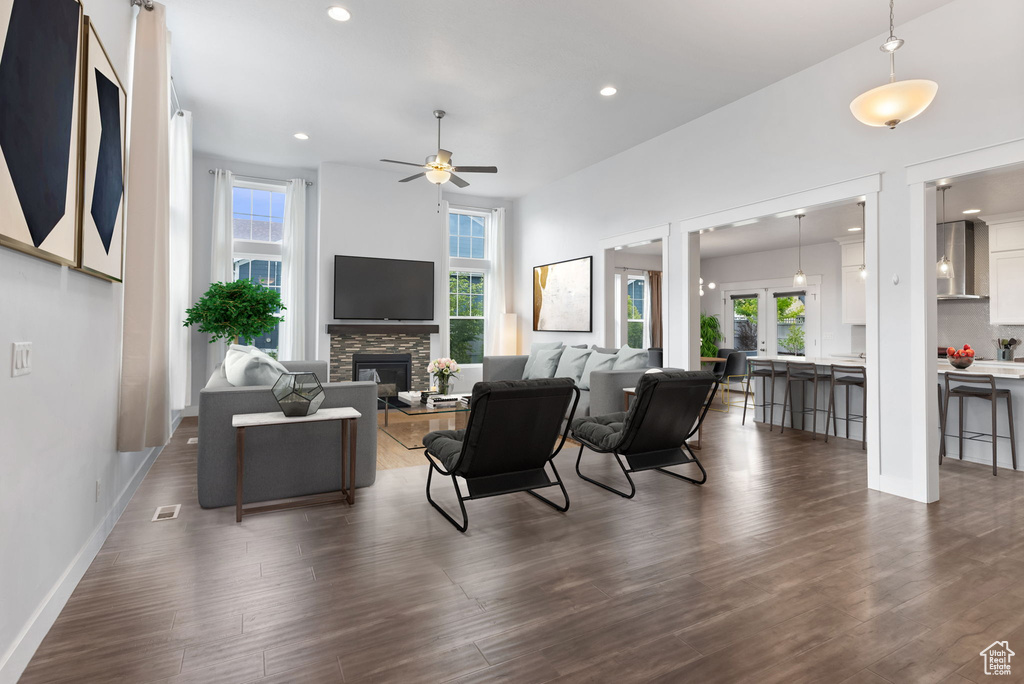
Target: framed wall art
point(104, 120)
point(40, 48)
point(562, 299)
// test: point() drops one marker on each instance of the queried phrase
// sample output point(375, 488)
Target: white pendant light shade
point(893, 103)
point(944, 268)
point(799, 280)
point(863, 270)
point(438, 176)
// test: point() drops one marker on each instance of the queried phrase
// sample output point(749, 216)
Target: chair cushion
point(446, 445)
point(602, 431)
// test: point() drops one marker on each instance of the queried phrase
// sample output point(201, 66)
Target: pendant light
point(896, 101)
point(863, 270)
point(944, 267)
point(799, 279)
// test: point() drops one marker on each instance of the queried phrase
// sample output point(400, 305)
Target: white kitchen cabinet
point(853, 294)
point(1006, 268)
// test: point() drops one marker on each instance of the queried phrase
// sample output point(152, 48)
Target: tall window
point(635, 303)
point(467, 250)
point(257, 219)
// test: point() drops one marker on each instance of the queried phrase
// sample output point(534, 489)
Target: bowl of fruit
point(960, 358)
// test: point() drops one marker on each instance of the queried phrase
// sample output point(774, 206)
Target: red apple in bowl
point(960, 358)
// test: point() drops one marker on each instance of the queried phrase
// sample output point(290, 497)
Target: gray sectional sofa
point(286, 460)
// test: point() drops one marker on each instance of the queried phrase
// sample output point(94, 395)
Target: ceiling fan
point(438, 167)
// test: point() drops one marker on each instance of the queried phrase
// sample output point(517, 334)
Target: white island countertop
point(1006, 371)
point(817, 360)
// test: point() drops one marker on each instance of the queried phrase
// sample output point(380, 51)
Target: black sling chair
point(512, 428)
point(668, 410)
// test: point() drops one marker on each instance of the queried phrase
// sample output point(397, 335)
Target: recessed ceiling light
point(854, 229)
point(972, 211)
point(608, 91)
point(301, 136)
point(339, 14)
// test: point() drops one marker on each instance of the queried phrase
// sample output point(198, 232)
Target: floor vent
point(166, 513)
point(193, 440)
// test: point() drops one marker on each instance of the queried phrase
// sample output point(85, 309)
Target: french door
point(772, 321)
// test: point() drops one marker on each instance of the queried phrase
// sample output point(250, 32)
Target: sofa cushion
point(628, 358)
point(534, 348)
point(601, 431)
point(250, 367)
point(545, 363)
point(446, 445)
point(596, 361)
point(572, 363)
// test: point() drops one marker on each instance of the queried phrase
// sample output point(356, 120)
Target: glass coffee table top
point(409, 432)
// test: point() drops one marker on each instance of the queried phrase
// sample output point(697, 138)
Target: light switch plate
point(21, 359)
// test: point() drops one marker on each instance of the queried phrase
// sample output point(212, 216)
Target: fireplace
point(414, 341)
point(392, 371)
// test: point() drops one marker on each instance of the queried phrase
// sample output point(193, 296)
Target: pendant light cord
point(944, 234)
point(799, 243)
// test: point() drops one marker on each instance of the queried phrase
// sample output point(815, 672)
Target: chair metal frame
point(833, 411)
point(993, 395)
point(790, 401)
point(752, 365)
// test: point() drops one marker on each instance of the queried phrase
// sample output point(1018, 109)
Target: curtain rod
point(177, 102)
point(260, 178)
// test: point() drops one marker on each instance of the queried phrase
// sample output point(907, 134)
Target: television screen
point(383, 289)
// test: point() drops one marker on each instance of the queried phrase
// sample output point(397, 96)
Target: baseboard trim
point(898, 486)
point(17, 657)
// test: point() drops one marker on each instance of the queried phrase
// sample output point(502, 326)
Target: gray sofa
point(281, 461)
point(605, 393)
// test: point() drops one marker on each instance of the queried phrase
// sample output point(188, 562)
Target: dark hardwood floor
point(783, 568)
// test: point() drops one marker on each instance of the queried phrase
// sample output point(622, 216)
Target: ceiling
point(519, 79)
point(999, 191)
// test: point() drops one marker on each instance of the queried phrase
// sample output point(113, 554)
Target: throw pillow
point(534, 348)
point(545, 365)
point(572, 362)
point(596, 361)
point(604, 350)
point(628, 358)
point(251, 369)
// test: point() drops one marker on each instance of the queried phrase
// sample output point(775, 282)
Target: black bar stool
point(847, 376)
point(765, 370)
point(797, 371)
point(989, 393)
point(942, 427)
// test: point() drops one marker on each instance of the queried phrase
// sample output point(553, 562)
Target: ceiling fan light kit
point(438, 168)
point(896, 101)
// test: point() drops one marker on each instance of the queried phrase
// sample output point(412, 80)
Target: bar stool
point(989, 393)
point(797, 371)
point(765, 370)
point(847, 376)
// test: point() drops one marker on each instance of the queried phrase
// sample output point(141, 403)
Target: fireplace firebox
point(393, 373)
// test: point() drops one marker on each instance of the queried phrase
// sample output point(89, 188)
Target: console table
point(345, 415)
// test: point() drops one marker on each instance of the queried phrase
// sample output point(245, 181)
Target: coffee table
point(410, 433)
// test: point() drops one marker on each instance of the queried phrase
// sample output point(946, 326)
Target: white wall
point(824, 260)
point(795, 135)
point(202, 245)
point(58, 425)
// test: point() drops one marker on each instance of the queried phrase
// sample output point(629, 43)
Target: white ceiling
point(999, 191)
point(519, 79)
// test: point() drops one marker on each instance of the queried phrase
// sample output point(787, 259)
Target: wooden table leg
point(240, 465)
point(352, 461)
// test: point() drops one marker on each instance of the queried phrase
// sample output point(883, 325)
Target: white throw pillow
point(545, 364)
point(628, 358)
point(251, 368)
point(596, 361)
point(572, 363)
point(534, 348)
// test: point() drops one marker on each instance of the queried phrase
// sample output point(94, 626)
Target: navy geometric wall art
point(38, 125)
point(109, 184)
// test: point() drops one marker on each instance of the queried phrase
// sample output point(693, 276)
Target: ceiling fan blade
point(443, 156)
point(476, 169)
point(392, 161)
point(458, 181)
point(418, 175)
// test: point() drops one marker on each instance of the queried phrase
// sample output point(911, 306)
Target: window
point(791, 322)
point(467, 235)
point(466, 316)
point(257, 220)
point(635, 312)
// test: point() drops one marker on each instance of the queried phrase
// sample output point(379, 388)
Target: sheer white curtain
point(144, 417)
point(221, 268)
point(180, 135)
point(293, 267)
point(494, 315)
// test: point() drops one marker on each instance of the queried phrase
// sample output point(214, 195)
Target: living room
point(792, 548)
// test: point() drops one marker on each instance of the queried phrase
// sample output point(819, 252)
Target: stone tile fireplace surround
point(350, 339)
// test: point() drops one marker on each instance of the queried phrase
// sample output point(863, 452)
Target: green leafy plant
point(238, 310)
point(710, 335)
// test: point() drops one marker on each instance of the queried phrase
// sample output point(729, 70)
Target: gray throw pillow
point(572, 362)
point(628, 358)
point(534, 348)
point(604, 350)
point(596, 361)
point(545, 365)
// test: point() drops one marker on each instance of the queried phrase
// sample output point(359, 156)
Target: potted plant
point(238, 310)
point(710, 335)
point(444, 370)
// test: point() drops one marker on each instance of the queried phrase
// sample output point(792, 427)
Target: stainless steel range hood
point(959, 240)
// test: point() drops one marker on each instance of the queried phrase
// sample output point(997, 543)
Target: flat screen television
point(383, 289)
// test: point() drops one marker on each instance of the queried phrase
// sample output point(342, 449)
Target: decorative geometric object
point(39, 127)
point(298, 394)
point(562, 296)
point(103, 161)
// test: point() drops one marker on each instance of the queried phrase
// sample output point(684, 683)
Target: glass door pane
point(791, 324)
point(744, 323)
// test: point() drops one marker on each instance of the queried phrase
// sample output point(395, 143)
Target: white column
point(683, 302)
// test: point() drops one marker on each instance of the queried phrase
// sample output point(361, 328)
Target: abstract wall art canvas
point(103, 162)
point(562, 296)
point(39, 127)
